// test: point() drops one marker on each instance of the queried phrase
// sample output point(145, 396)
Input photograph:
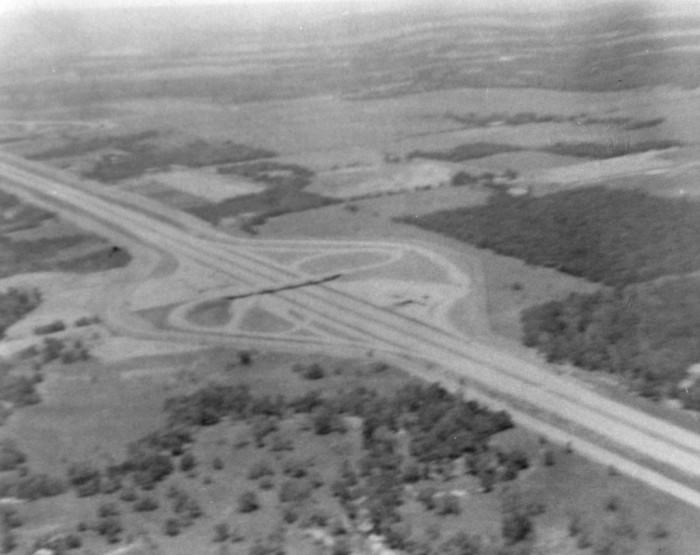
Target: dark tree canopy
point(616, 237)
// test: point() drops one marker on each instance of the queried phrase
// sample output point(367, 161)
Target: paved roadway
point(557, 406)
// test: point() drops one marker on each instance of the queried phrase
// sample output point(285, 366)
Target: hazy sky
point(7, 5)
point(23, 5)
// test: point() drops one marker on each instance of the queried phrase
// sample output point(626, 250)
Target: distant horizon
point(24, 6)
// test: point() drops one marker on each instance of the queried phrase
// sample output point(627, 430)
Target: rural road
point(557, 406)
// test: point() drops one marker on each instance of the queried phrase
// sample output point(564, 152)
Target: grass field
point(211, 313)
point(330, 263)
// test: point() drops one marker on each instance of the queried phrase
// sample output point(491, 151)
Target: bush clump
point(248, 502)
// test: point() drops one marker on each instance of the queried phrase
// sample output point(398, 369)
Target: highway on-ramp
point(560, 407)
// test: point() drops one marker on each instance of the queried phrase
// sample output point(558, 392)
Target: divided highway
point(552, 404)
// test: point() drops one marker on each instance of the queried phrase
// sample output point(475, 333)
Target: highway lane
point(387, 331)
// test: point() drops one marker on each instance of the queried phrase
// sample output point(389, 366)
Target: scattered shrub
point(612, 503)
point(325, 421)
point(52, 327)
point(248, 502)
point(15, 304)
point(516, 527)
point(107, 509)
point(313, 371)
point(426, 495)
point(575, 525)
point(294, 491)
point(266, 483)
point(448, 504)
point(85, 478)
point(245, 357)
point(128, 495)
point(110, 527)
point(222, 532)
point(171, 527)
point(261, 468)
point(281, 442)
point(146, 503)
point(10, 456)
point(187, 462)
point(296, 468)
point(33, 486)
point(659, 531)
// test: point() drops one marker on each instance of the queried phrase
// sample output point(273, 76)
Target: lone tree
point(248, 502)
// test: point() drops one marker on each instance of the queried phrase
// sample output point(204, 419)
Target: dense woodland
point(616, 237)
point(15, 304)
point(649, 334)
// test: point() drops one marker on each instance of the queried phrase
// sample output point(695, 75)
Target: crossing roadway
point(656, 451)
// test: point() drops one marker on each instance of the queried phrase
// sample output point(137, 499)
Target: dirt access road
point(557, 406)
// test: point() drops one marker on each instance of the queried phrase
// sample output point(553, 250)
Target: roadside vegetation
point(15, 304)
point(643, 325)
point(647, 334)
